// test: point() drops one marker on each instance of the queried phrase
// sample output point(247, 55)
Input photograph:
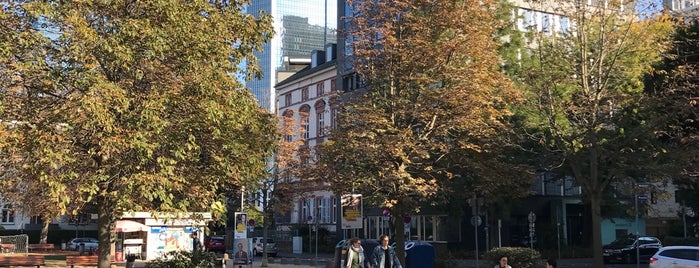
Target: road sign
point(476, 221)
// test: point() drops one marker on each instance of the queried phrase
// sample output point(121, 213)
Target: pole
point(242, 198)
point(487, 242)
point(499, 233)
point(475, 227)
point(558, 235)
point(637, 233)
point(684, 219)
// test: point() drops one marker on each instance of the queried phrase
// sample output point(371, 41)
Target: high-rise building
point(300, 26)
point(687, 8)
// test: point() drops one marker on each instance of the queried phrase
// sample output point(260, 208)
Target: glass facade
point(300, 26)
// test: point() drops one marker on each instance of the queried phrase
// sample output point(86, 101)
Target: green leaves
point(132, 103)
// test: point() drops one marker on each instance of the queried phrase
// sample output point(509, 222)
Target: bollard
point(297, 261)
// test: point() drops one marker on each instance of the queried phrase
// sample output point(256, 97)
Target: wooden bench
point(72, 260)
point(28, 261)
point(45, 247)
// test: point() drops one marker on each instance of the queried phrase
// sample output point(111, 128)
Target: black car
point(624, 249)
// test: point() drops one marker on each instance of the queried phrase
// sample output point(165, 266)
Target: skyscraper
point(301, 26)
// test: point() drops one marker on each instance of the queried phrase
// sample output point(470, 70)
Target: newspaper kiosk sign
point(352, 213)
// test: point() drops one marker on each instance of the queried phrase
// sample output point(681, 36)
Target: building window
point(333, 118)
point(304, 94)
point(304, 113)
point(320, 89)
point(546, 23)
point(326, 209)
point(333, 87)
point(288, 126)
point(8, 214)
point(35, 220)
point(287, 99)
point(320, 118)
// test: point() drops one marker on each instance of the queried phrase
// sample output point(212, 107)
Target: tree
point(283, 186)
point(673, 99)
point(432, 110)
point(584, 87)
point(132, 105)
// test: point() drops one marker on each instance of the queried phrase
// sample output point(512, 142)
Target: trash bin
point(339, 253)
point(81, 248)
point(369, 245)
point(419, 254)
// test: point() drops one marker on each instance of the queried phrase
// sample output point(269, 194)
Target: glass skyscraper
point(301, 26)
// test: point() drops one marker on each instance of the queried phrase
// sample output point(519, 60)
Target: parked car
point(215, 244)
point(257, 246)
point(675, 256)
point(89, 242)
point(624, 249)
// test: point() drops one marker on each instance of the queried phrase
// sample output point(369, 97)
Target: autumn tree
point(283, 187)
point(130, 105)
point(431, 111)
point(583, 88)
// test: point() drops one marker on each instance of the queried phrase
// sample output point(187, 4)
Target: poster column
point(241, 245)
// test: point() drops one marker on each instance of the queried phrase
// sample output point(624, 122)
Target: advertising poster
point(241, 231)
point(352, 213)
point(241, 251)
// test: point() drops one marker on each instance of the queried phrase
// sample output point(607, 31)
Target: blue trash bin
point(419, 254)
point(339, 253)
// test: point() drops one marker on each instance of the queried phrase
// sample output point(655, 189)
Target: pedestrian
point(196, 244)
point(384, 256)
point(355, 254)
point(502, 262)
point(551, 263)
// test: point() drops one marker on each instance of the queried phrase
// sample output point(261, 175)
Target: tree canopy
point(132, 105)
point(584, 87)
point(432, 108)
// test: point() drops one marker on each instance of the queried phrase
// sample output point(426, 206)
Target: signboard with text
point(352, 213)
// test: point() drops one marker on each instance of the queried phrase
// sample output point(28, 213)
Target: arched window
point(320, 118)
point(288, 125)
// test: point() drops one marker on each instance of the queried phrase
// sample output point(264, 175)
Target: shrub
point(516, 257)
point(184, 259)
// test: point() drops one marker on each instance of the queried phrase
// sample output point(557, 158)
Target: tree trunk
point(595, 201)
point(44, 231)
point(399, 232)
point(105, 234)
point(264, 228)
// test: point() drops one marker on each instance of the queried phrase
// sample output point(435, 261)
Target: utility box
point(297, 244)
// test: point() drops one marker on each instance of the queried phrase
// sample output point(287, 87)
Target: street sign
point(476, 221)
point(531, 217)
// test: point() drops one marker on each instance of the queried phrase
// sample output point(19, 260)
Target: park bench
point(72, 260)
point(45, 247)
point(27, 261)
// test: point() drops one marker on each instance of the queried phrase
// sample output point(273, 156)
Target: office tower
point(301, 26)
point(686, 8)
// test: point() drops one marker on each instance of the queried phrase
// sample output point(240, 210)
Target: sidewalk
point(321, 263)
